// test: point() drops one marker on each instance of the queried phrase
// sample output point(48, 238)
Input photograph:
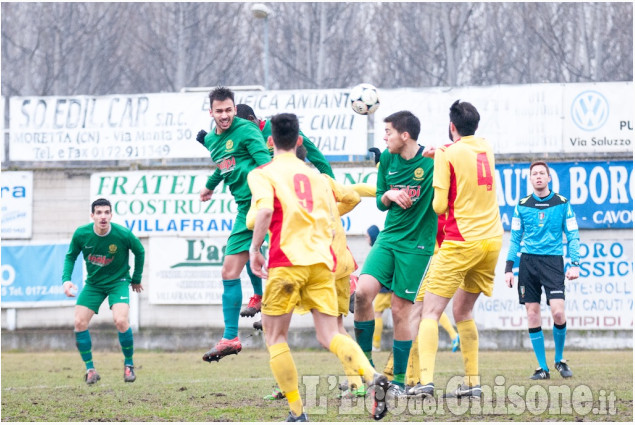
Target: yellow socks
point(428, 344)
point(352, 357)
point(412, 372)
point(354, 380)
point(379, 327)
point(286, 375)
point(468, 335)
point(445, 323)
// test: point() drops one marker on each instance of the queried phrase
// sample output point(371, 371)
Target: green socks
point(127, 346)
point(364, 334)
point(85, 347)
point(232, 300)
point(401, 351)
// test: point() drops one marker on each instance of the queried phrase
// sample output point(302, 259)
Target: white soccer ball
point(364, 99)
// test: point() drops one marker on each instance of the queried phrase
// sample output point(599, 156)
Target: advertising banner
point(32, 275)
point(325, 117)
point(17, 204)
point(600, 193)
point(188, 271)
point(578, 117)
point(157, 202)
point(164, 125)
point(601, 298)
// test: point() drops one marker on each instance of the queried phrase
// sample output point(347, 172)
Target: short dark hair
point(465, 117)
point(245, 111)
point(535, 163)
point(301, 152)
point(285, 130)
point(405, 121)
point(101, 202)
point(220, 93)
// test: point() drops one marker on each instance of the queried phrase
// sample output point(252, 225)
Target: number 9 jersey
point(303, 222)
point(472, 212)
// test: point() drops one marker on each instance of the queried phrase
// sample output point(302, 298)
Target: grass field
point(181, 387)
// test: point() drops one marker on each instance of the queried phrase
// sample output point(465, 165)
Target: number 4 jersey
point(465, 169)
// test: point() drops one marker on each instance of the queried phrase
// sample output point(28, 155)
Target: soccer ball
point(364, 99)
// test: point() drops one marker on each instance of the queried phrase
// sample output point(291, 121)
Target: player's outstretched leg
point(353, 358)
point(229, 344)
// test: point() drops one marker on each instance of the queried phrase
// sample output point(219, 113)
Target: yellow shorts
point(343, 290)
point(424, 282)
point(309, 287)
point(468, 265)
point(382, 301)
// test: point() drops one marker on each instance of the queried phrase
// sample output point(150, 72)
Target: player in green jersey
point(399, 258)
point(106, 248)
point(237, 147)
point(314, 156)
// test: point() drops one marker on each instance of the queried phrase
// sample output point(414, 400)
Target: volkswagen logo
point(590, 110)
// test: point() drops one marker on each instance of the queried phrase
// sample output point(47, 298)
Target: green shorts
point(240, 237)
point(92, 296)
point(401, 272)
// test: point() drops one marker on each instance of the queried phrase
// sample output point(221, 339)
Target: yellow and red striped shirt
point(302, 225)
point(466, 170)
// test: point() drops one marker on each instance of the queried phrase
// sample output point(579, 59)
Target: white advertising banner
point(602, 298)
point(164, 125)
point(598, 117)
point(188, 271)
point(581, 117)
point(17, 204)
point(116, 127)
point(166, 202)
point(325, 117)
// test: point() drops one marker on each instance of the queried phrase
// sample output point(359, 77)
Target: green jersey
point(313, 154)
point(413, 229)
point(107, 257)
point(236, 152)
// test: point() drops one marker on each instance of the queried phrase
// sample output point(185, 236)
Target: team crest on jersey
point(419, 174)
point(229, 145)
point(112, 248)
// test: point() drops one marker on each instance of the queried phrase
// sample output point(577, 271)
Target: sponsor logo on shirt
point(413, 191)
point(99, 260)
point(226, 165)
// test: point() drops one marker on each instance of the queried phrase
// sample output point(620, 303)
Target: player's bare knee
point(121, 323)
point(558, 317)
point(81, 324)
